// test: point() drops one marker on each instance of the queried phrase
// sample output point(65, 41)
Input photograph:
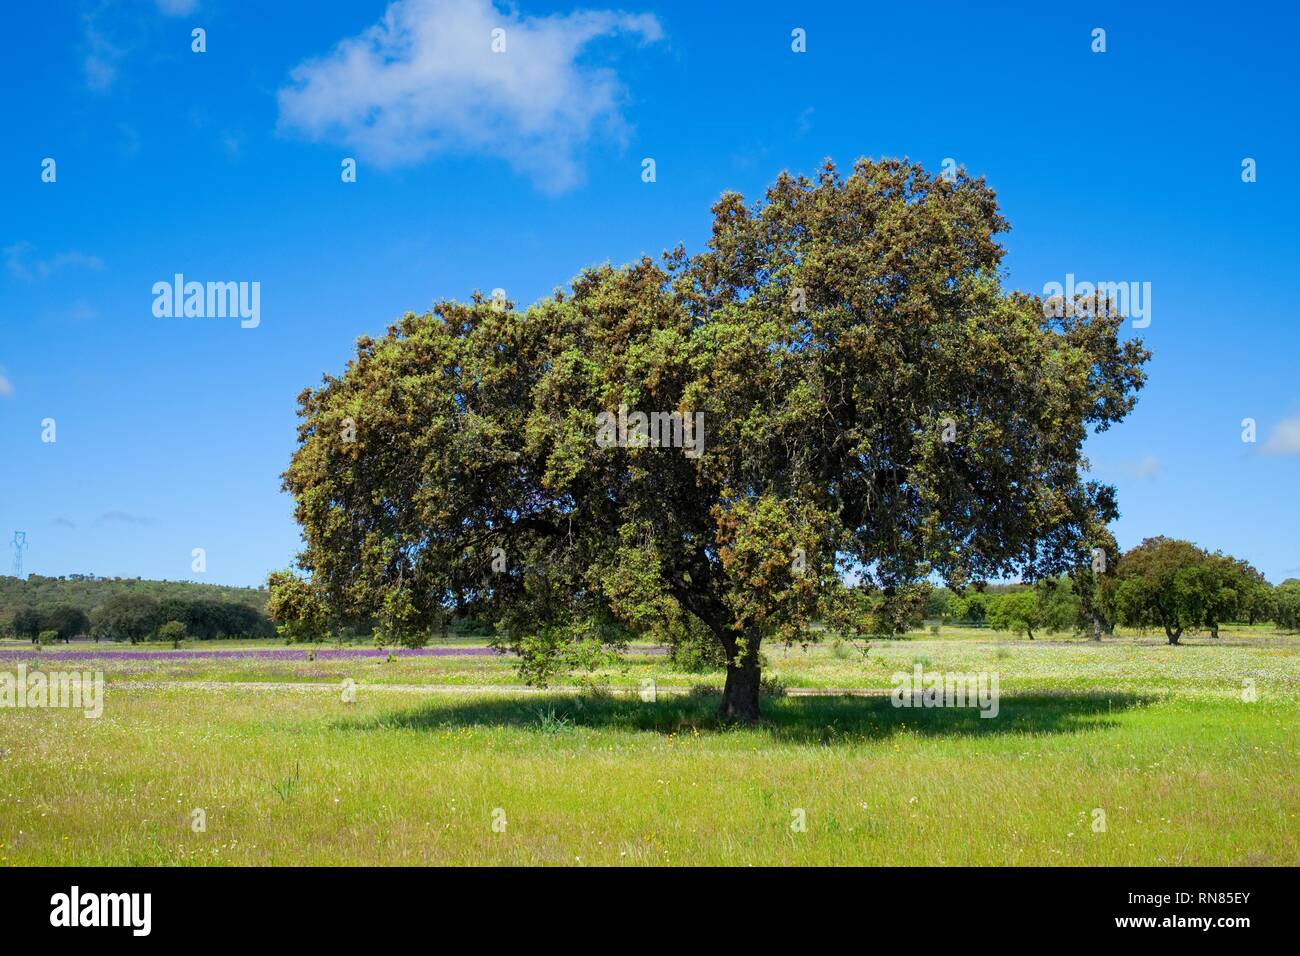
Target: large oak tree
point(877, 410)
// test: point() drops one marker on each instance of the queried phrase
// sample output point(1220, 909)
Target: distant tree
point(1286, 605)
point(1175, 585)
point(173, 632)
point(1255, 594)
point(1086, 579)
point(67, 620)
point(1229, 586)
point(126, 617)
point(1017, 612)
point(939, 605)
point(971, 608)
point(47, 637)
point(1058, 604)
point(27, 623)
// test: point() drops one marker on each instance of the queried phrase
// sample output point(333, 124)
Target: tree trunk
point(1096, 626)
point(1173, 635)
point(740, 694)
point(1214, 630)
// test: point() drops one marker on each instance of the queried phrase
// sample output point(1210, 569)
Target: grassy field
point(1159, 738)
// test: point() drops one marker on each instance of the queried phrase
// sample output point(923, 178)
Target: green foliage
point(939, 605)
point(1018, 612)
point(1096, 612)
point(970, 608)
point(296, 609)
point(550, 722)
point(1058, 604)
point(694, 649)
point(826, 335)
point(46, 638)
point(1050, 605)
point(580, 643)
point(126, 617)
point(173, 632)
point(1285, 604)
point(128, 609)
point(1177, 586)
point(27, 622)
point(64, 619)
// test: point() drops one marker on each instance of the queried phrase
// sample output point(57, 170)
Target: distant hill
point(212, 608)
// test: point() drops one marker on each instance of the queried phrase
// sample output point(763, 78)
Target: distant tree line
point(1163, 584)
point(129, 610)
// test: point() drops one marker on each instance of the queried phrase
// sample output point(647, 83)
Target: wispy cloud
point(233, 143)
point(21, 262)
point(1148, 466)
point(425, 80)
point(804, 123)
point(1284, 439)
point(62, 523)
point(6, 386)
point(102, 54)
point(123, 517)
point(103, 46)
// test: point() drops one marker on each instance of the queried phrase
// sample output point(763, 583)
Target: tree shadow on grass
point(815, 720)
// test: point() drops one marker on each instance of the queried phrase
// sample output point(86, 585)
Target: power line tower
point(19, 542)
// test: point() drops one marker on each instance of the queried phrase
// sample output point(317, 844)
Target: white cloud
point(21, 264)
point(1284, 439)
point(176, 8)
point(6, 386)
point(424, 80)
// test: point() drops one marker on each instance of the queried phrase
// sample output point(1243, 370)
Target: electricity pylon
point(19, 542)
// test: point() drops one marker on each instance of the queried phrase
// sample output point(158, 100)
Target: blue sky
point(479, 171)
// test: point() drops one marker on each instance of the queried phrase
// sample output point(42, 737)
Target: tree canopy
point(876, 409)
point(1176, 586)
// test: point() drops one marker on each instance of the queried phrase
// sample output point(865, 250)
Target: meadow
point(1185, 755)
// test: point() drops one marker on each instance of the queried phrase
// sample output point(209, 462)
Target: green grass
point(1159, 738)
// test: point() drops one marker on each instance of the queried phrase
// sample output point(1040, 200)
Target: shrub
point(771, 685)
